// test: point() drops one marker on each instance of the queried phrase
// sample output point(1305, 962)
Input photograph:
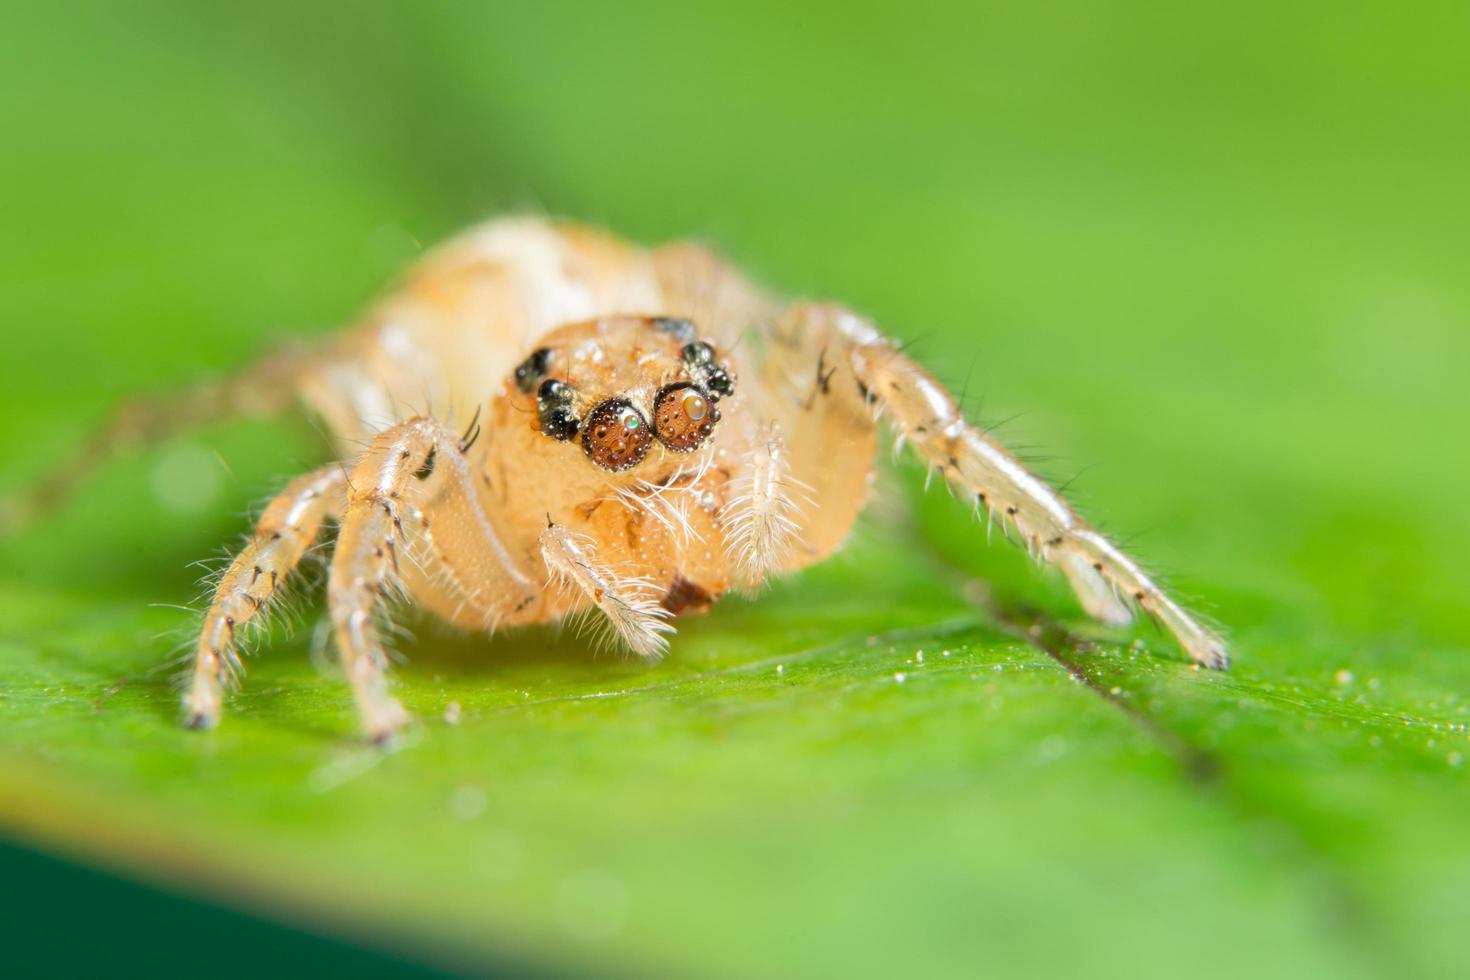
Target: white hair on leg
point(1108, 583)
point(630, 605)
point(762, 518)
point(254, 584)
point(1099, 599)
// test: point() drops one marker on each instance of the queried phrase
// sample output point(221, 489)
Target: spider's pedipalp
point(763, 515)
point(630, 605)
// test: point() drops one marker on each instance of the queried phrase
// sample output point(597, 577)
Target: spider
point(638, 432)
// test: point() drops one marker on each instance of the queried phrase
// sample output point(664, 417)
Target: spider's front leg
point(927, 416)
point(291, 522)
point(412, 473)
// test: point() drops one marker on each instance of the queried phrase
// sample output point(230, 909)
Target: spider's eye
point(699, 357)
point(554, 406)
point(530, 371)
point(683, 417)
point(720, 383)
point(698, 353)
point(615, 435)
point(675, 326)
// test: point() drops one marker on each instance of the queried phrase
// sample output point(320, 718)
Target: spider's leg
point(928, 417)
point(763, 518)
point(411, 472)
point(288, 527)
point(265, 389)
point(631, 606)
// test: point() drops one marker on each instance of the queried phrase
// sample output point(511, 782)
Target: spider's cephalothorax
point(595, 379)
point(634, 433)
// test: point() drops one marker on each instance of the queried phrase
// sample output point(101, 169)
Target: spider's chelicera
point(491, 517)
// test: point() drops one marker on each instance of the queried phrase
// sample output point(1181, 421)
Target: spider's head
point(621, 388)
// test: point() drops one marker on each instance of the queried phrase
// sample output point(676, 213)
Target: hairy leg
point(927, 416)
point(289, 526)
point(266, 388)
point(413, 474)
point(631, 605)
point(762, 519)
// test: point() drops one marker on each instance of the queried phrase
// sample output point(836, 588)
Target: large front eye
point(683, 417)
point(615, 435)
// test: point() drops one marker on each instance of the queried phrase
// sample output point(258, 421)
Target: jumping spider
point(636, 432)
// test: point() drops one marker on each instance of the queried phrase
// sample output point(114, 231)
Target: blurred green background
point(1217, 256)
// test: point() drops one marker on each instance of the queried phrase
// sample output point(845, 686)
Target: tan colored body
point(446, 342)
point(479, 475)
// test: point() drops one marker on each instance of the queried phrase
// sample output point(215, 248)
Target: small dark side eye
point(675, 326)
point(554, 406)
point(699, 357)
point(698, 352)
point(530, 371)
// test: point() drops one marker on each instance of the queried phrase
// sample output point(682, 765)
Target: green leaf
point(1220, 252)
